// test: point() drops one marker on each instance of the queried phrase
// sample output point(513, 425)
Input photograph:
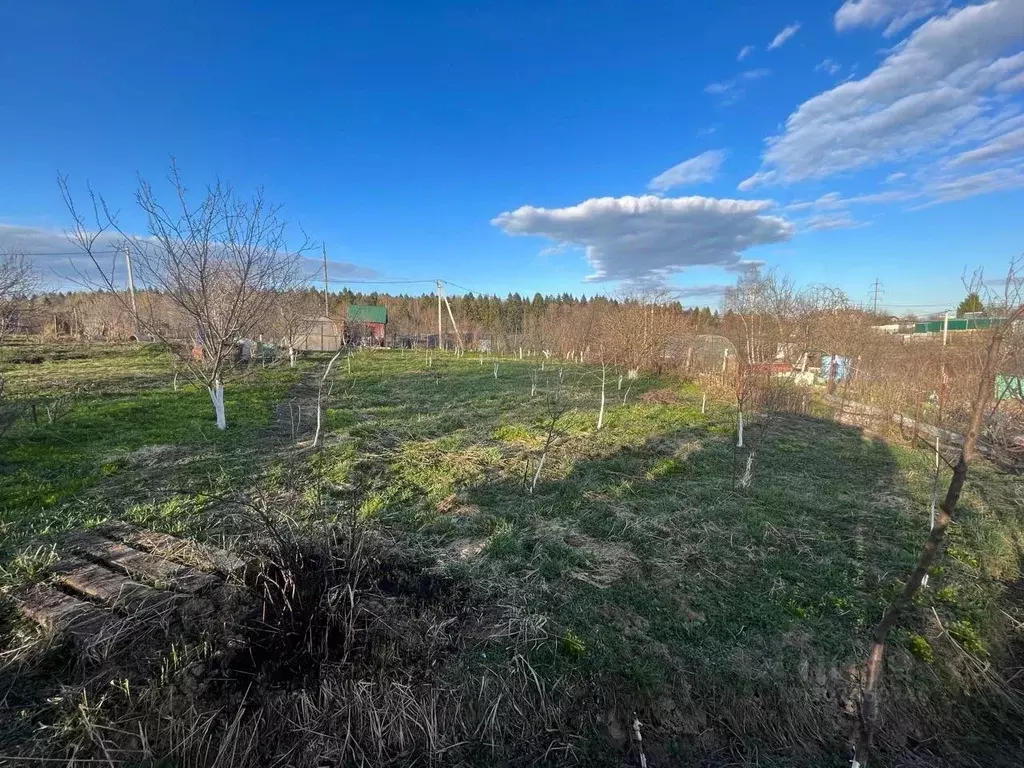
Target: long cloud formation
point(62, 266)
point(940, 90)
point(703, 167)
point(898, 13)
point(644, 239)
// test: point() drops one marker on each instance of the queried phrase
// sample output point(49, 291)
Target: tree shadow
point(732, 621)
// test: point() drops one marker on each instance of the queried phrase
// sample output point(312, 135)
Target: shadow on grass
point(731, 620)
point(728, 621)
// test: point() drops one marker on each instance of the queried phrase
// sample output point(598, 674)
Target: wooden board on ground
point(112, 588)
point(142, 566)
point(118, 576)
point(60, 612)
point(202, 556)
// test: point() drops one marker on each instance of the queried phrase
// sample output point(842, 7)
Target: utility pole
point(327, 309)
point(439, 343)
point(458, 338)
point(874, 305)
point(131, 288)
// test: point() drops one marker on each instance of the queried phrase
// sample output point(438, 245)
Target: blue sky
point(526, 146)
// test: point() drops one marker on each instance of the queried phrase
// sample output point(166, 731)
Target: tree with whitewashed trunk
point(296, 314)
point(220, 263)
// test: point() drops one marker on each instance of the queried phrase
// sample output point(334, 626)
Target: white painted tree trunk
point(704, 404)
point(600, 413)
point(217, 396)
point(540, 466)
point(739, 439)
point(320, 397)
point(748, 473)
point(291, 356)
point(495, 370)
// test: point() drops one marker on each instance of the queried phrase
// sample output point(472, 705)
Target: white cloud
point(827, 221)
point(745, 51)
point(998, 180)
point(59, 263)
point(892, 178)
point(703, 167)
point(833, 200)
point(1011, 143)
point(710, 290)
point(829, 66)
point(730, 91)
point(932, 93)
point(642, 239)
point(831, 210)
point(1015, 83)
point(62, 266)
point(898, 13)
point(786, 33)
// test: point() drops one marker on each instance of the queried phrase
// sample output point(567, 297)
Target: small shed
point(320, 334)
point(366, 324)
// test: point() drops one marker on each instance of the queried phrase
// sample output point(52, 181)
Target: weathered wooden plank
point(142, 566)
point(202, 556)
point(113, 588)
point(55, 610)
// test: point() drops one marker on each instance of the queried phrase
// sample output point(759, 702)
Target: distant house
point(975, 322)
point(366, 324)
point(319, 334)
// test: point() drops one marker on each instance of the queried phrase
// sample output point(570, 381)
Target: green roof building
point(366, 324)
point(958, 324)
point(366, 313)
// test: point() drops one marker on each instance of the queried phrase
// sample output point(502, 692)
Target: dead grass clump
point(608, 560)
point(660, 396)
point(454, 506)
point(350, 650)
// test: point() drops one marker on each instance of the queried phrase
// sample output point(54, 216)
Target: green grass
point(123, 402)
point(742, 607)
point(728, 620)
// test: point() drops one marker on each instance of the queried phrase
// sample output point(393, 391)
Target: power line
point(62, 253)
point(460, 287)
point(377, 282)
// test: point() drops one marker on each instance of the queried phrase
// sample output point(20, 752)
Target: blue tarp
point(842, 367)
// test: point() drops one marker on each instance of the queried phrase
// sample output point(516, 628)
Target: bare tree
point(766, 305)
point(996, 348)
point(219, 263)
point(296, 314)
point(18, 279)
